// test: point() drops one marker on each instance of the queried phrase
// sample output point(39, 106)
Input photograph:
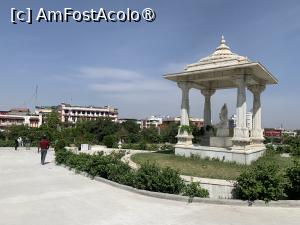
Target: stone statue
point(222, 126)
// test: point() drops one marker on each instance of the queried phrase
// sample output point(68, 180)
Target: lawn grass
point(204, 167)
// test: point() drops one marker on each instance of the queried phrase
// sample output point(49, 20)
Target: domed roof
point(220, 70)
point(222, 56)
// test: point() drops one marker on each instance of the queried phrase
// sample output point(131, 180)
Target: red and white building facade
point(73, 114)
point(18, 116)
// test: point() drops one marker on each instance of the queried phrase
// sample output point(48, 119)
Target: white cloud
point(132, 86)
point(114, 80)
point(108, 73)
point(174, 67)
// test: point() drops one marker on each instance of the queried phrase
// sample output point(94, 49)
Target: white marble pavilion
point(221, 70)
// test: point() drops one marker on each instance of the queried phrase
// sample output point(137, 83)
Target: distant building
point(273, 132)
point(249, 122)
point(137, 121)
point(43, 111)
point(152, 121)
point(195, 121)
point(18, 116)
point(289, 133)
point(73, 114)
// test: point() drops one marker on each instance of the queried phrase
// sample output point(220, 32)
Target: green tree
point(51, 126)
point(169, 133)
point(151, 135)
point(131, 126)
point(2, 135)
point(197, 133)
point(109, 141)
point(96, 130)
point(129, 131)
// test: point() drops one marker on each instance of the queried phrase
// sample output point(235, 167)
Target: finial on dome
point(222, 47)
point(223, 40)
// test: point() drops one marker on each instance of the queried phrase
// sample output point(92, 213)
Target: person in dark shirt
point(16, 144)
point(44, 146)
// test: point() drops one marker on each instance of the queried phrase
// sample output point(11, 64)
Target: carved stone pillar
point(241, 132)
point(183, 136)
point(207, 93)
point(257, 131)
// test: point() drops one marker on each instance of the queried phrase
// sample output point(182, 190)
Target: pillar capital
point(240, 80)
point(257, 88)
point(208, 92)
point(184, 85)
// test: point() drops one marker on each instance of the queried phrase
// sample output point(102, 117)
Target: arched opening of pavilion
point(223, 69)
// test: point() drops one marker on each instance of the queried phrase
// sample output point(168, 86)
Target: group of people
point(43, 146)
point(19, 142)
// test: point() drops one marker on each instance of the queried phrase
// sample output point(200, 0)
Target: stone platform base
point(221, 142)
point(223, 154)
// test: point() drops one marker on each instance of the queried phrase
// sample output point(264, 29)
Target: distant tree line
point(93, 132)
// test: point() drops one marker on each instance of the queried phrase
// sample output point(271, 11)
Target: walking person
point(16, 144)
point(44, 146)
point(20, 140)
point(38, 146)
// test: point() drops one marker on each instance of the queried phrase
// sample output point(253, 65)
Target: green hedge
point(7, 143)
point(148, 177)
point(153, 178)
point(266, 182)
point(293, 181)
point(194, 190)
point(149, 147)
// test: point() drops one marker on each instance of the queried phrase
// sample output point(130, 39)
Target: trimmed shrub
point(194, 189)
point(121, 173)
point(296, 151)
point(60, 144)
point(7, 143)
point(82, 162)
point(61, 156)
point(73, 161)
point(127, 146)
point(109, 141)
point(142, 146)
point(149, 177)
point(152, 147)
point(99, 165)
point(293, 181)
point(152, 178)
point(264, 182)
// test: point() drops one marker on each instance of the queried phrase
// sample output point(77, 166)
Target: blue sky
point(121, 64)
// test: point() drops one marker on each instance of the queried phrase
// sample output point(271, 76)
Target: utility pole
point(36, 95)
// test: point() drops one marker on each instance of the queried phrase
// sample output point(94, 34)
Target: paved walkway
point(31, 194)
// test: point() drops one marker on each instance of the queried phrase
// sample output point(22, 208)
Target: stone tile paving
point(31, 194)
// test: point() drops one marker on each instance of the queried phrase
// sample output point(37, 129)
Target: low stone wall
point(218, 189)
point(238, 156)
